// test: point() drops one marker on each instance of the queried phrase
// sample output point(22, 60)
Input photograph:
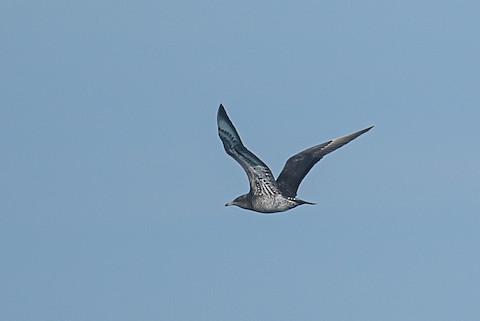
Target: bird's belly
point(271, 204)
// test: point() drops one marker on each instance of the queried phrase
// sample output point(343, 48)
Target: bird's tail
point(301, 202)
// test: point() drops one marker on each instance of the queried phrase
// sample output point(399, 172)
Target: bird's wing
point(300, 164)
point(259, 175)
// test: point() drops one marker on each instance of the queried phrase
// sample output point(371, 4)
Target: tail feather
point(301, 202)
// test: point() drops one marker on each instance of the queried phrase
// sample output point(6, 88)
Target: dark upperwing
point(300, 164)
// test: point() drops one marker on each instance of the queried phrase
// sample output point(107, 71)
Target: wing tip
point(363, 131)
point(222, 113)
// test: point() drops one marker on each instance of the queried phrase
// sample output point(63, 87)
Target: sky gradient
point(114, 180)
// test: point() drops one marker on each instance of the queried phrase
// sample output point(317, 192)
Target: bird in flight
point(266, 194)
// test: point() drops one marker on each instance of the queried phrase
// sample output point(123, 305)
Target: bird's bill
point(230, 204)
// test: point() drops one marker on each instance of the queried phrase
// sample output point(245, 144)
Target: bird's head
point(242, 201)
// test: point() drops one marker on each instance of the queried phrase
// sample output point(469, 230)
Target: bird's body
point(270, 203)
point(268, 195)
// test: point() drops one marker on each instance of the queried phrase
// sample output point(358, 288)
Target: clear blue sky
point(113, 178)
